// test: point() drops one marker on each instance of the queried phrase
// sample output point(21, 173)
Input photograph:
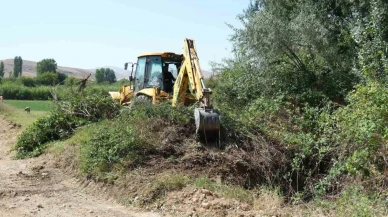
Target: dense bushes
point(111, 143)
point(20, 92)
point(76, 109)
point(40, 87)
point(316, 94)
point(122, 142)
point(305, 95)
point(34, 139)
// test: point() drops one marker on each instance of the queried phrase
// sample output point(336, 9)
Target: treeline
point(308, 84)
point(40, 87)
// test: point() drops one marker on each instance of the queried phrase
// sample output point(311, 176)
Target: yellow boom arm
point(206, 118)
point(190, 74)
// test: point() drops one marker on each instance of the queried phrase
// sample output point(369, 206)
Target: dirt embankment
point(34, 187)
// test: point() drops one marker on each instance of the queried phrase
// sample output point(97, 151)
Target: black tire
point(140, 100)
point(143, 99)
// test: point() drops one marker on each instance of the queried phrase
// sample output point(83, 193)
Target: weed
point(233, 192)
point(78, 109)
point(110, 143)
point(166, 183)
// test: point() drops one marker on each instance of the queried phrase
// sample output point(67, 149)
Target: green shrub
point(27, 81)
point(77, 109)
point(47, 78)
point(122, 142)
point(15, 91)
point(61, 77)
point(111, 143)
point(363, 130)
point(33, 140)
point(72, 81)
point(177, 115)
point(354, 201)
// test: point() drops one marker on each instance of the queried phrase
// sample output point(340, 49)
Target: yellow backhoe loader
point(152, 81)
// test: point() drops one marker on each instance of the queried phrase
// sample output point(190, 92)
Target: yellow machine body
point(189, 86)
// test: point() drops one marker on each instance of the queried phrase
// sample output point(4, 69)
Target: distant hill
point(29, 69)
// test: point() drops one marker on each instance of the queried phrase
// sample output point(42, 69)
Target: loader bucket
point(114, 95)
point(207, 122)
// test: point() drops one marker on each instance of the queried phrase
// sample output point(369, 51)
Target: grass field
point(35, 105)
point(14, 110)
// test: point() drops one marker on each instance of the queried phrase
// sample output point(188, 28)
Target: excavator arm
point(190, 77)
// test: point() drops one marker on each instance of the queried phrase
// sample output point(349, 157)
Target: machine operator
point(168, 79)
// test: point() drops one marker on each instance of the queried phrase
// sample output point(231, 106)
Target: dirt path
point(32, 188)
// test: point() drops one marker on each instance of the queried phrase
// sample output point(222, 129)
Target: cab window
point(139, 74)
point(154, 71)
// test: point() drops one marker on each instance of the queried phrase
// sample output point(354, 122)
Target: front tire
point(143, 99)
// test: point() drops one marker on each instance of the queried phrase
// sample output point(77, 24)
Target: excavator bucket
point(207, 122)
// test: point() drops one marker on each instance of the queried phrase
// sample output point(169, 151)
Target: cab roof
point(163, 54)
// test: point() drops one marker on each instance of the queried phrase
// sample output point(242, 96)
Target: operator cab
point(157, 69)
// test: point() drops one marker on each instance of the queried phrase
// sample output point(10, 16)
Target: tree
point(105, 74)
point(48, 78)
point(46, 65)
point(1, 69)
point(61, 77)
point(17, 66)
point(300, 49)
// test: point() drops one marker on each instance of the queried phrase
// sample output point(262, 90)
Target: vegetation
point(311, 77)
point(85, 108)
point(303, 104)
point(17, 67)
point(17, 91)
point(46, 65)
point(1, 69)
point(40, 87)
point(105, 75)
point(35, 105)
point(14, 111)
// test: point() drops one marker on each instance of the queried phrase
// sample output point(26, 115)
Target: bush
point(178, 115)
point(27, 81)
point(47, 78)
point(362, 127)
point(72, 81)
point(33, 140)
point(15, 91)
point(123, 141)
point(111, 143)
point(61, 77)
point(76, 110)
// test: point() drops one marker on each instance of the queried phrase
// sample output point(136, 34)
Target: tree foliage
point(312, 76)
point(1, 69)
point(17, 66)
point(105, 75)
point(46, 65)
point(47, 78)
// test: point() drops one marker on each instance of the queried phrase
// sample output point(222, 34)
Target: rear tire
point(143, 99)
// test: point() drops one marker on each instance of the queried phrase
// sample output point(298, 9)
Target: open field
point(14, 111)
point(35, 105)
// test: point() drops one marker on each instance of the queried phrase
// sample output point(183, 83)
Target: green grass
point(232, 192)
point(35, 105)
point(14, 110)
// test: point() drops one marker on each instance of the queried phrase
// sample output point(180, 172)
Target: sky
point(95, 33)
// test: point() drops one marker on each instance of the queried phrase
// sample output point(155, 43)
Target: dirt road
point(33, 188)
